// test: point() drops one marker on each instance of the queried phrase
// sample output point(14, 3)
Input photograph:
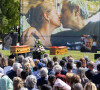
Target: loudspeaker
point(96, 56)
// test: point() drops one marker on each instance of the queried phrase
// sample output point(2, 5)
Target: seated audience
point(61, 85)
point(96, 78)
point(62, 64)
point(12, 73)
point(83, 62)
point(84, 79)
point(20, 59)
point(90, 86)
point(68, 78)
point(78, 86)
point(51, 80)
point(90, 73)
point(17, 83)
point(57, 69)
point(4, 62)
point(69, 67)
point(75, 79)
point(24, 74)
point(11, 61)
point(50, 68)
point(31, 82)
point(37, 73)
point(44, 77)
point(46, 87)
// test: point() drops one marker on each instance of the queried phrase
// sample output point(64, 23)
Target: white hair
point(57, 68)
point(44, 60)
point(44, 72)
point(16, 66)
point(83, 8)
point(25, 60)
point(19, 70)
point(31, 81)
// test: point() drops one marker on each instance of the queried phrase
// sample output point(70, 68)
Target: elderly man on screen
point(74, 15)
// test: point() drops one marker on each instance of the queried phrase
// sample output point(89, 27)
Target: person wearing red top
point(58, 74)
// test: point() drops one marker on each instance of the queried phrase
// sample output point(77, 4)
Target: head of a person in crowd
point(51, 80)
point(4, 62)
point(79, 64)
point(72, 12)
point(46, 87)
point(31, 81)
point(30, 60)
point(24, 74)
point(20, 58)
point(78, 86)
point(69, 67)
point(36, 62)
point(65, 59)
point(83, 62)
point(56, 63)
point(45, 61)
point(91, 65)
point(16, 66)
point(99, 59)
point(55, 59)
point(40, 65)
point(17, 83)
point(90, 86)
point(19, 70)
point(12, 56)
point(98, 67)
point(25, 60)
point(71, 60)
point(62, 63)
point(68, 78)
point(46, 55)
point(49, 59)
point(27, 67)
point(86, 58)
point(1, 56)
point(57, 69)
point(61, 85)
point(44, 72)
point(11, 61)
point(75, 79)
point(50, 64)
point(81, 73)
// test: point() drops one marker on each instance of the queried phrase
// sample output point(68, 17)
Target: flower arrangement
point(38, 49)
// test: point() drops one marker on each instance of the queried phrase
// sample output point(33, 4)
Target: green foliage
point(10, 15)
point(93, 6)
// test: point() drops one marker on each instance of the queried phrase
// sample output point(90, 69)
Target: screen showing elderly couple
point(59, 23)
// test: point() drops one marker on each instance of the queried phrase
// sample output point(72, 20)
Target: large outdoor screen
point(59, 23)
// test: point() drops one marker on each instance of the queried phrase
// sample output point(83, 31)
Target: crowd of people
point(27, 73)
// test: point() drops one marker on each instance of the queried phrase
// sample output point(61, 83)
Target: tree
point(10, 15)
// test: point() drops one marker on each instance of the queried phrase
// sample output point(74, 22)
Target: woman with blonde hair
point(68, 78)
point(83, 62)
point(17, 83)
point(44, 19)
point(90, 86)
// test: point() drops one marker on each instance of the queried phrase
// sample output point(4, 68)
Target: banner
point(9, 40)
point(56, 23)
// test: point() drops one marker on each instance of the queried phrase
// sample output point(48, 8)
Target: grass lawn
point(76, 54)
